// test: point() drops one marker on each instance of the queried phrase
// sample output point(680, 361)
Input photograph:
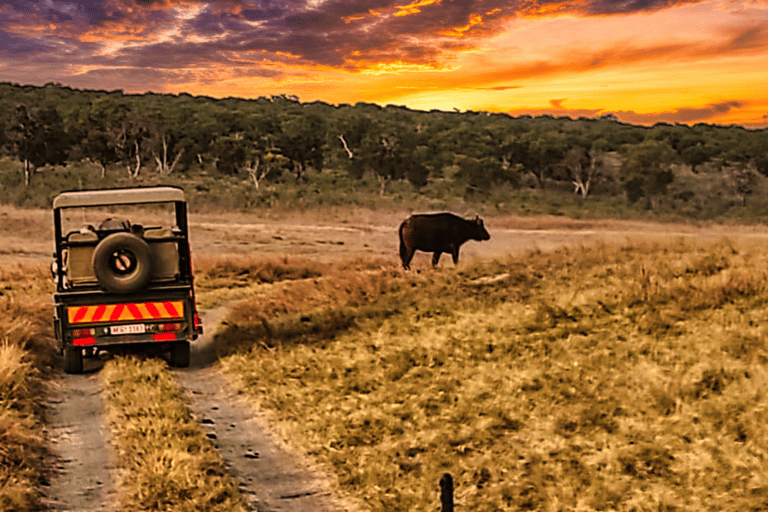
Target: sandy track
point(269, 476)
point(84, 473)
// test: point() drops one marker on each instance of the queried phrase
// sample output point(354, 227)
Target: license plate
point(127, 329)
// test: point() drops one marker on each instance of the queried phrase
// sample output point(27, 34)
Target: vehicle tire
point(122, 263)
point(180, 354)
point(73, 360)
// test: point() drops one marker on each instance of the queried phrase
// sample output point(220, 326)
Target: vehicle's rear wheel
point(73, 359)
point(122, 263)
point(180, 354)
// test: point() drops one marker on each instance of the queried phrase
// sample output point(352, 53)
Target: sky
point(643, 61)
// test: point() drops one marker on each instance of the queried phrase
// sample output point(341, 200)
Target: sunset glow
point(683, 61)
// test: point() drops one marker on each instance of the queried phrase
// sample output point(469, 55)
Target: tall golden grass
point(596, 378)
point(165, 461)
point(223, 279)
point(26, 355)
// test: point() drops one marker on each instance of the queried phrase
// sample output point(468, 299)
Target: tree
point(230, 154)
point(417, 169)
point(113, 127)
point(133, 132)
point(38, 138)
point(478, 174)
point(302, 142)
point(647, 170)
point(695, 155)
point(251, 152)
point(583, 167)
point(761, 163)
point(101, 126)
point(350, 131)
point(745, 181)
point(544, 151)
point(265, 166)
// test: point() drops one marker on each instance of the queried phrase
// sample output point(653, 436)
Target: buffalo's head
point(480, 232)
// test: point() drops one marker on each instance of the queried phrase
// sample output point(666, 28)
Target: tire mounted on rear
point(122, 263)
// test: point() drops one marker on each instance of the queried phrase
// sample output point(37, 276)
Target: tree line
point(267, 138)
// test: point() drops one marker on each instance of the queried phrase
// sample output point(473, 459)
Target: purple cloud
point(681, 115)
point(337, 33)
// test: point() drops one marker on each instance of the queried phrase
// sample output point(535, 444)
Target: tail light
point(83, 337)
point(168, 332)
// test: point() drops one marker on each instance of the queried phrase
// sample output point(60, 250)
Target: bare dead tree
point(29, 170)
point(162, 164)
point(254, 172)
point(383, 180)
point(346, 148)
point(133, 173)
point(583, 168)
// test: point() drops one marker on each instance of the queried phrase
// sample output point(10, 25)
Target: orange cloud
point(671, 59)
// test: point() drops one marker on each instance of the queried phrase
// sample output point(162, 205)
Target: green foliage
point(277, 151)
point(646, 172)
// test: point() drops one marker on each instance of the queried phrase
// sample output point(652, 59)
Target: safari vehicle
point(123, 274)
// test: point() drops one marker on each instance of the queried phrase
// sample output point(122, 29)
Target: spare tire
point(122, 263)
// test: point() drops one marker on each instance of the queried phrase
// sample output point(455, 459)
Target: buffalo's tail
point(403, 249)
point(405, 253)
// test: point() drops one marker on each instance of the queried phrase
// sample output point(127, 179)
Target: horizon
point(288, 97)
point(644, 62)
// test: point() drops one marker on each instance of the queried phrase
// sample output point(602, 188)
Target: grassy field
point(599, 378)
point(25, 363)
point(627, 377)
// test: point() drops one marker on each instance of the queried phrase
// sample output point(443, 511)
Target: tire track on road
point(270, 477)
point(84, 473)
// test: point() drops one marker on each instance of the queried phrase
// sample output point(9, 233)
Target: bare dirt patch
point(26, 235)
point(83, 478)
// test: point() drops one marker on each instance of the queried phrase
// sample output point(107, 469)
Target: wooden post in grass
point(446, 493)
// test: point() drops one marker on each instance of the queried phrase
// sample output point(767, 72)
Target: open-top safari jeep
point(123, 274)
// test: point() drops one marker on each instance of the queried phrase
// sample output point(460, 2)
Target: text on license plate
point(127, 329)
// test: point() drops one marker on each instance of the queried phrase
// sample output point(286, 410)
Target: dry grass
point(165, 460)
point(597, 378)
point(25, 358)
point(224, 279)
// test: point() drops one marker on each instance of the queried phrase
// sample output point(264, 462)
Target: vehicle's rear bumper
point(142, 339)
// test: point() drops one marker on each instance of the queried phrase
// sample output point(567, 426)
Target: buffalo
point(438, 233)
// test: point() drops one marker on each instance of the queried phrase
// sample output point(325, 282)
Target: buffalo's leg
point(406, 255)
point(436, 258)
point(455, 254)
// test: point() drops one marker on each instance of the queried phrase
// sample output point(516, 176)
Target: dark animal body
point(438, 233)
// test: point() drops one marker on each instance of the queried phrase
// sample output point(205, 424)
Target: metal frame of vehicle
point(161, 315)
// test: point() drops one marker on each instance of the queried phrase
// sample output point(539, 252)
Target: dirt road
point(84, 467)
point(25, 235)
point(270, 476)
point(269, 473)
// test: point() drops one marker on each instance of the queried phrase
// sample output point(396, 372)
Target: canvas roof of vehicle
point(118, 196)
